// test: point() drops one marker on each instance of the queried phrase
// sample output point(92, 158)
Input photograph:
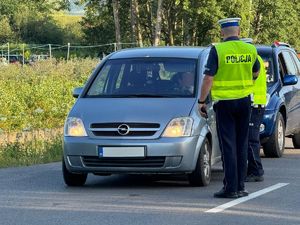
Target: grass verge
point(31, 152)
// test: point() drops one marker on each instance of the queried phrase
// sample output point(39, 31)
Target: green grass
point(33, 99)
point(31, 152)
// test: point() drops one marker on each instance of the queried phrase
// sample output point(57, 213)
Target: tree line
point(33, 21)
point(189, 22)
point(153, 22)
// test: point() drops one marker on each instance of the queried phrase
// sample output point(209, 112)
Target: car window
point(297, 62)
point(100, 81)
point(140, 77)
point(281, 66)
point(269, 67)
point(289, 63)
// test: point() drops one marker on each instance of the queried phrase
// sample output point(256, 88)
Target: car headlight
point(74, 127)
point(179, 127)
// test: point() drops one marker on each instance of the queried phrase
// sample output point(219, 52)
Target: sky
point(75, 9)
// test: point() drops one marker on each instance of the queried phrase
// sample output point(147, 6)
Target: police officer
point(255, 170)
point(231, 67)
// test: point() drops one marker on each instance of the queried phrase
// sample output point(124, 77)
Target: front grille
point(149, 162)
point(134, 129)
point(133, 125)
point(130, 134)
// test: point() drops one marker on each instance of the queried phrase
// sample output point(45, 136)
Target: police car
point(282, 114)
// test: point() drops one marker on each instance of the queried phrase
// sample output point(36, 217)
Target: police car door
point(290, 91)
point(296, 91)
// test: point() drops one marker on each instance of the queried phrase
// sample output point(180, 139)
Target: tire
point(274, 148)
point(73, 179)
point(201, 176)
point(296, 140)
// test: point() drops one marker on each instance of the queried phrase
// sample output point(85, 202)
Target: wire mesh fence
point(26, 53)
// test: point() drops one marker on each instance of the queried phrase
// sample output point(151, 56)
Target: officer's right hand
point(202, 110)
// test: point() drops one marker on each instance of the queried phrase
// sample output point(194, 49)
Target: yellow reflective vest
point(260, 85)
point(234, 78)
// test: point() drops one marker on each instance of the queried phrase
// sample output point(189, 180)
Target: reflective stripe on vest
point(233, 79)
point(260, 85)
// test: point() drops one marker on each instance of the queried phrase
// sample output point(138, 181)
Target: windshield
point(145, 77)
point(269, 66)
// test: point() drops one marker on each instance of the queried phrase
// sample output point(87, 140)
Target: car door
point(297, 90)
point(211, 120)
point(289, 92)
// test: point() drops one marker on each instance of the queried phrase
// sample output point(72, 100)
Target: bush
point(40, 96)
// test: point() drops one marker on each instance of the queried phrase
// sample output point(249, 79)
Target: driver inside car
point(186, 82)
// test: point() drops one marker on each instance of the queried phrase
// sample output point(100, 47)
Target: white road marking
point(247, 198)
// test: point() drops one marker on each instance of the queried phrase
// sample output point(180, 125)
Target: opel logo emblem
point(123, 129)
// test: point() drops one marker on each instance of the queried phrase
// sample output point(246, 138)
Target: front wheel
point(274, 148)
point(73, 179)
point(296, 140)
point(202, 174)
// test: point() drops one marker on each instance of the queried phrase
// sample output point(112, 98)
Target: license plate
point(121, 151)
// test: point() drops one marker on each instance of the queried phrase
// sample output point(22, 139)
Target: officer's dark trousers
point(233, 127)
point(254, 162)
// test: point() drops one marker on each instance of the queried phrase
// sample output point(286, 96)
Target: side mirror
point(290, 80)
point(77, 91)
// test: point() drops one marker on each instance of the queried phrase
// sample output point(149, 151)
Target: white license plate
point(121, 151)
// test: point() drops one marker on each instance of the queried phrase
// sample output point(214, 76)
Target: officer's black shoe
point(224, 194)
point(254, 178)
point(242, 193)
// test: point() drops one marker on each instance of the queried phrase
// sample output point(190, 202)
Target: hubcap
point(280, 134)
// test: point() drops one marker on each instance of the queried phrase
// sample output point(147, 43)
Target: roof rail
point(278, 43)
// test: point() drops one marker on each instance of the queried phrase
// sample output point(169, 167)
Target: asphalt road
point(36, 195)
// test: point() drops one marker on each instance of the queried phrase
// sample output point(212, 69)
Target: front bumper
point(179, 155)
point(269, 121)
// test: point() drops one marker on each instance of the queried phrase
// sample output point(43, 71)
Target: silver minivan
point(138, 114)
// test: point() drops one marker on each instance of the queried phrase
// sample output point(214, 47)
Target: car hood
point(149, 110)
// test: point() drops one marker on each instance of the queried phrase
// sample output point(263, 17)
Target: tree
point(189, 22)
point(158, 23)
point(115, 4)
point(135, 23)
point(20, 19)
point(271, 22)
point(6, 34)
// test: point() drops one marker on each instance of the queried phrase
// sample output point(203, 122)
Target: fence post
point(68, 53)
point(8, 52)
point(23, 54)
point(50, 51)
point(115, 46)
